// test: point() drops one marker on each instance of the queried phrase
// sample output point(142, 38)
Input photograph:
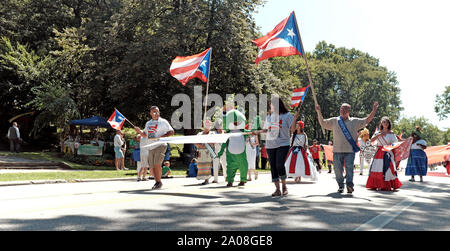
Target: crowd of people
point(281, 142)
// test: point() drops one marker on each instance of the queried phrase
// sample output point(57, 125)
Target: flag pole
point(126, 118)
point(207, 84)
point(306, 61)
point(307, 67)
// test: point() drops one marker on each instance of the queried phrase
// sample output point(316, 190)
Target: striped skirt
point(204, 164)
point(382, 174)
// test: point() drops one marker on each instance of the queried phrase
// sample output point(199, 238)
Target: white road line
point(377, 223)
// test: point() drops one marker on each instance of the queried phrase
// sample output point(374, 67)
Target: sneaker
point(340, 190)
point(229, 184)
point(241, 183)
point(157, 185)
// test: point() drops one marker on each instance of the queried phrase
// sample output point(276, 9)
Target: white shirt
point(386, 140)
point(279, 127)
point(17, 132)
point(118, 141)
point(157, 128)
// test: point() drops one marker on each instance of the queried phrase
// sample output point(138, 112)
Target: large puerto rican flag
point(116, 120)
point(298, 96)
point(195, 66)
point(284, 40)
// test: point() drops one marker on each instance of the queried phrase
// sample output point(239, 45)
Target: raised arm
point(372, 114)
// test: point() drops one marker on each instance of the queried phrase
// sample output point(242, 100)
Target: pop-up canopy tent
point(93, 121)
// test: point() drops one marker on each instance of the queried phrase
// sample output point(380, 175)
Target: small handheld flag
point(195, 66)
point(298, 96)
point(283, 40)
point(116, 120)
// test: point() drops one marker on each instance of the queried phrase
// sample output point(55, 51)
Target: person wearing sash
point(345, 133)
point(204, 159)
point(299, 162)
point(382, 174)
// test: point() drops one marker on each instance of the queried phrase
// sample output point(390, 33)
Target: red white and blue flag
point(282, 41)
point(298, 96)
point(195, 66)
point(116, 120)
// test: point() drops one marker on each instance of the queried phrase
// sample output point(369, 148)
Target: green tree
point(430, 132)
point(442, 104)
point(339, 76)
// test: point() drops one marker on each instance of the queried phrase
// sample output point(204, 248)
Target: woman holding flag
point(277, 126)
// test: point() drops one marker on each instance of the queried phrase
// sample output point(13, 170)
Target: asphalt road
point(184, 205)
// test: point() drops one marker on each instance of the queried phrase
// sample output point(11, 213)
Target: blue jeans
point(339, 160)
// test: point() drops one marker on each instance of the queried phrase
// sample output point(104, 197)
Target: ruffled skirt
point(382, 172)
point(299, 163)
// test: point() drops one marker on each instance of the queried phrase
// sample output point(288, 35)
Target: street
point(184, 205)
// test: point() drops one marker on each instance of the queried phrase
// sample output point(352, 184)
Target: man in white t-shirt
point(157, 127)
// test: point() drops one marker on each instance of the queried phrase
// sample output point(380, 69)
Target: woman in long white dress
point(299, 162)
point(251, 143)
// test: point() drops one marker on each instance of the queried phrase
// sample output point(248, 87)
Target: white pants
point(222, 161)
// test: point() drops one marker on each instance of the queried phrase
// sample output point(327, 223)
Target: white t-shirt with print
point(157, 128)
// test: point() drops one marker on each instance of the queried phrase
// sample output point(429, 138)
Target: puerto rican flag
point(298, 96)
point(282, 41)
point(195, 66)
point(116, 120)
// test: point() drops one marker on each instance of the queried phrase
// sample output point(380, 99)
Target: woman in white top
point(299, 162)
point(382, 175)
point(250, 146)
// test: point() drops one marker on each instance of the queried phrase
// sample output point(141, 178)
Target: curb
point(41, 182)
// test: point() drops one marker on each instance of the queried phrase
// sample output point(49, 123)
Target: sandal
point(276, 193)
point(285, 191)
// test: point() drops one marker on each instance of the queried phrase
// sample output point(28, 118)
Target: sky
point(409, 37)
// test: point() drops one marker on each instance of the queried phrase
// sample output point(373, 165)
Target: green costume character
point(234, 121)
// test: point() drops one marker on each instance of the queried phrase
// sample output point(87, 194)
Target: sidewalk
point(11, 162)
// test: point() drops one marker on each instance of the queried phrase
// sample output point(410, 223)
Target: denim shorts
point(118, 152)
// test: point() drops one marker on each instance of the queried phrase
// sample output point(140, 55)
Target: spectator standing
point(119, 153)
point(14, 137)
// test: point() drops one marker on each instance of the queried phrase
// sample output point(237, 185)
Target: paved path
point(185, 205)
